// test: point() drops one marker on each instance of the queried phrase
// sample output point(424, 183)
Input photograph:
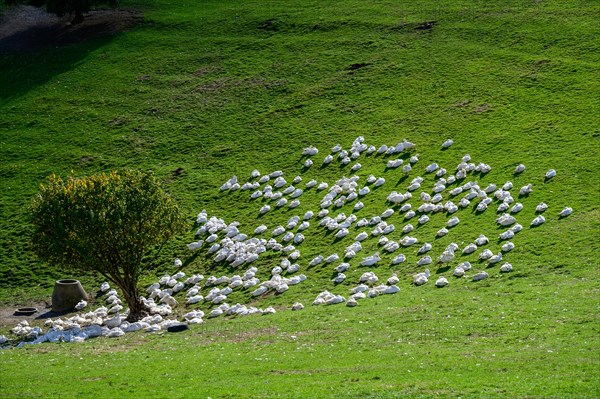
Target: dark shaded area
point(177, 172)
point(177, 328)
point(442, 269)
point(49, 314)
point(270, 25)
point(427, 25)
point(413, 26)
point(28, 33)
point(26, 29)
point(354, 67)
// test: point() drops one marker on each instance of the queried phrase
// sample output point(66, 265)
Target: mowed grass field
point(201, 91)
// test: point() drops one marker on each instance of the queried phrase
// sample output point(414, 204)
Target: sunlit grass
point(222, 88)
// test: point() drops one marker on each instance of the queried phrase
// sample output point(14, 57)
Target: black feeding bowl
point(25, 311)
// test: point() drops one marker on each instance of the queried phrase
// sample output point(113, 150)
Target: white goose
point(421, 278)
point(538, 221)
point(566, 212)
point(441, 282)
point(371, 260)
point(519, 169)
point(399, 259)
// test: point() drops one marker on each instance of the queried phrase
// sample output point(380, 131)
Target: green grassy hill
point(201, 92)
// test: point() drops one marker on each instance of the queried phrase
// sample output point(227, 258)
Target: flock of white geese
point(225, 242)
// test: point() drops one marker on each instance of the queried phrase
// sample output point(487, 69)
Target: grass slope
point(222, 88)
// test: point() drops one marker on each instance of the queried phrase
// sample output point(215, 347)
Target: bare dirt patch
point(540, 63)
point(462, 104)
point(9, 318)
point(205, 70)
point(483, 108)
point(25, 29)
point(215, 86)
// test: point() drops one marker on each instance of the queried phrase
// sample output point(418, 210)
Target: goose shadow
point(333, 275)
point(189, 260)
point(346, 259)
point(303, 157)
point(328, 232)
point(401, 180)
point(419, 225)
point(476, 212)
point(49, 314)
point(337, 239)
point(442, 269)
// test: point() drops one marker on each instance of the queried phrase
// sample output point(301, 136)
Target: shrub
point(106, 223)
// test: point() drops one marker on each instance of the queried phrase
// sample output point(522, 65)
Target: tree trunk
point(137, 309)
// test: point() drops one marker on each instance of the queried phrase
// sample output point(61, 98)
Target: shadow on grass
point(442, 269)
point(35, 46)
point(401, 180)
point(23, 73)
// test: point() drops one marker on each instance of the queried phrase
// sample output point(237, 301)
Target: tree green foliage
point(67, 7)
point(106, 223)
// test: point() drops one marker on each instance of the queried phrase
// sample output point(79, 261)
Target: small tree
point(106, 223)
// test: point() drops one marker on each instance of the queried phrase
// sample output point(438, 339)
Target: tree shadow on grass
point(36, 46)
